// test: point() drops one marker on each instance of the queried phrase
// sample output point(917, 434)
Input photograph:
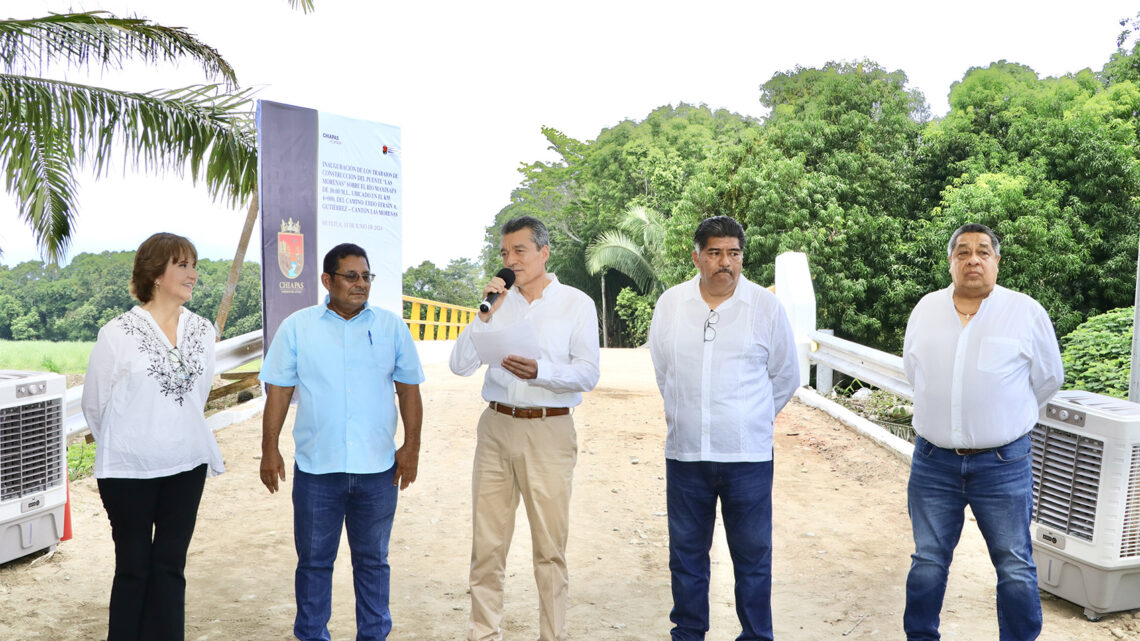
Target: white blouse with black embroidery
point(143, 398)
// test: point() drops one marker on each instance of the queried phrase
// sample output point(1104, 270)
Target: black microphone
point(508, 277)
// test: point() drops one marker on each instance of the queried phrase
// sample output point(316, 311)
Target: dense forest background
point(42, 301)
point(848, 166)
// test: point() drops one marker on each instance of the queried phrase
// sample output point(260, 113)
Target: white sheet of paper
point(519, 339)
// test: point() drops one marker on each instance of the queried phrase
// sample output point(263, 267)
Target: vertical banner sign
point(359, 199)
point(287, 197)
point(325, 180)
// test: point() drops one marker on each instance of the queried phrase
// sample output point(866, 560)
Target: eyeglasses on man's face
point(352, 277)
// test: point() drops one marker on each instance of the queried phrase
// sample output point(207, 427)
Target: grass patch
point(64, 357)
point(80, 460)
point(252, 366)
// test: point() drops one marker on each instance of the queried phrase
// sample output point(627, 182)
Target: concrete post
point(824, 375)
point(796, 294)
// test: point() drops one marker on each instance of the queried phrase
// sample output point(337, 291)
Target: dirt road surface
point(842, 540)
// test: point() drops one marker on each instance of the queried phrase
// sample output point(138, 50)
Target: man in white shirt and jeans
point(983, 360)
point(726, 364)
point(526, 444)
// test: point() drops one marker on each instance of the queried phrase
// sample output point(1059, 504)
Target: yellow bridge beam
point(429, 320)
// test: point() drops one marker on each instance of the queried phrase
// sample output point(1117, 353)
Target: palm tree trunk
point(235, 267)
point(605, 329)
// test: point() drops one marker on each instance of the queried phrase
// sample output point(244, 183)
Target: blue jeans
point(998, 486)
point(365, 504)
point(745, 493)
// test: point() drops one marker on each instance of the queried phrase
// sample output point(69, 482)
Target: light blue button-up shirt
point(344, 372)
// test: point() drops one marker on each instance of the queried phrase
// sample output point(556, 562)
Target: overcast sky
point(470, 84)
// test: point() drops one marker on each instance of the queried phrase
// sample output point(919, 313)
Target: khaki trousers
point(532, 458)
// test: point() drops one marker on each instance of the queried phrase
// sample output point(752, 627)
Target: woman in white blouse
point(146, 386)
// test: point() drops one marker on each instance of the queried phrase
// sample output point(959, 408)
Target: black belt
point(529, 412)
point(961, 451)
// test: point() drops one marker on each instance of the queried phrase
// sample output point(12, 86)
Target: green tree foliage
point(44, 301)
point(1070, 146)
point(586, 191)
point(245, 311)
point(634, 249)
point(636, 311)
point(460, 283)
point(1098, 353)
point(784, 206)
point(1124, 65)
point(856, 122)
point(849, 168)
point(828, 175)
point(1041, 251)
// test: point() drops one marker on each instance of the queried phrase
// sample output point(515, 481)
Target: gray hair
point(538, 232)
point(973, 228)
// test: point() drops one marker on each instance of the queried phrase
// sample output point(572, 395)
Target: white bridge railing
point(820, 348)
point(880, 369)
point(230, 353)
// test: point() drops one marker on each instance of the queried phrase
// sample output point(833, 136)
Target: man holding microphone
point(526, 444)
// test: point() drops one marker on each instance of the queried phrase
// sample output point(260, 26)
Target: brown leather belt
point(966, 452)
point(529, 412)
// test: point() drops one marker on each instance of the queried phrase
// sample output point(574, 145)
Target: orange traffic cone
point(67, 516)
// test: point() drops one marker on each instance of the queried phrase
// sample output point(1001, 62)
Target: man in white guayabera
point(725, 361)
point(526, 446)
point(983, 360)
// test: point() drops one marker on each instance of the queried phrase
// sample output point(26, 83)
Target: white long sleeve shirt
point(981, 385)
point(722, 395)
point(143, 400)
point(566, 323)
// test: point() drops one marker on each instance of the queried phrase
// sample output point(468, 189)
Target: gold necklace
point(968, 316)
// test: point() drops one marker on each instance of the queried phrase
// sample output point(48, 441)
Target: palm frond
point(306, 5)
point(41, 178)
point(614, 250)
point(49, 127)
point(645, 223)
point(100, 37)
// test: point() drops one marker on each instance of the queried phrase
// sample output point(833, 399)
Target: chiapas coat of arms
point(291, 248)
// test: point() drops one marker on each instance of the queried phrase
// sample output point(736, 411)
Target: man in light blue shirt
point(347, 360)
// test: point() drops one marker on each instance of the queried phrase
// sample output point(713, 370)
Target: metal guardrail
point(827, 352)
point(870, 366)
point(429, 320)
point(228, 354)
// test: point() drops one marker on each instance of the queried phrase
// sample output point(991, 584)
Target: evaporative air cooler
point(33, 462)
point(1086, 501)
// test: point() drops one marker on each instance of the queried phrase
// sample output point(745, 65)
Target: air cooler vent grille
point(30, 452)
point(1130, 541)
point(1066, 478)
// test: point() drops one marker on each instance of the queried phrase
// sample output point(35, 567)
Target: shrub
point(1098, 353)
point(80, 460)
point(48, 363)
point(637, 312)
